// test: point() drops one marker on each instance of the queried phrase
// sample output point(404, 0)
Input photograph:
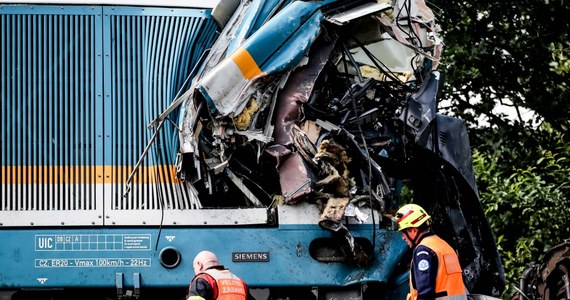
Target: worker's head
point(204, 260)
point(412, 219)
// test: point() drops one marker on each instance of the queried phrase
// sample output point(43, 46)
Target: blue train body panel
point(93, 257)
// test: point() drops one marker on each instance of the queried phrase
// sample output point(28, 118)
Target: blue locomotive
point(276, 134)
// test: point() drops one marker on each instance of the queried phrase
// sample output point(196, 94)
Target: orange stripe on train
point(85, 174)
point(246, 63)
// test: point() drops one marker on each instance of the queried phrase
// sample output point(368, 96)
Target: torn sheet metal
point(364, 9)
point(420, 111)
point(410, 29)
point(299, 88)
point(278, 45)
point(331, 220)
point(224, 11)
point(295, 178)
point(246, 191)
point(352, 211)
point(257, 15)
point(316, 101)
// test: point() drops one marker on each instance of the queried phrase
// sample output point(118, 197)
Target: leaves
point(506, 52)
point(516, 53)
point(527, 200)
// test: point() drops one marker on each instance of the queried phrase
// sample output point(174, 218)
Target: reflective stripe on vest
point(230, 287)
point(449, 281)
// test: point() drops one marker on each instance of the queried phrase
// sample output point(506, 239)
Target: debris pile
point(333, 103)
point(309, 108)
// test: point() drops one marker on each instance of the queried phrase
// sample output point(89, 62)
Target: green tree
point(526, 196)
point(516, 54)
point(506, 53)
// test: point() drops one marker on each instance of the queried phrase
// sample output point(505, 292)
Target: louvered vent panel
point(78, 86)
point(48, 96)
point(151, 57)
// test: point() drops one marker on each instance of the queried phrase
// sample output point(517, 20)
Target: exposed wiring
point(157, 180)
point(415, 39)
point(356, 67)
point(353, 100)
point(378, 63)
point(141, 158)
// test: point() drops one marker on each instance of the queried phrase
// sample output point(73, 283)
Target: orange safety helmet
point(411, 215)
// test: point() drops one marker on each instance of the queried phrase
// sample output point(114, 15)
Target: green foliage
point(560, 58)
point(513, 53)
point(525, 193)
point(505, 52)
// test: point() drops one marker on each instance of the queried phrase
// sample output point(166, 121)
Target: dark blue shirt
point(424, 270)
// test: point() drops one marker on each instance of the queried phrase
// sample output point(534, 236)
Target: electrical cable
point(415, 39)
point(353, 100)
point(157, 183)
point(378, 62)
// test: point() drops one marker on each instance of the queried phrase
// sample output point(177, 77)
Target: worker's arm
point(200, 289)
point(249, 296)
point(424, 272)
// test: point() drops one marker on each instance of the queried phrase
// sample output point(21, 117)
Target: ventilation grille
point(78, 87)
point(151, 58)
point(48, 135)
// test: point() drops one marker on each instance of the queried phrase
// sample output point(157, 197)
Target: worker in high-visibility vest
point(435, 272)
point(214, 282)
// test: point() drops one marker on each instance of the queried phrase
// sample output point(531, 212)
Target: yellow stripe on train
point(246, 63)
point(86, 174)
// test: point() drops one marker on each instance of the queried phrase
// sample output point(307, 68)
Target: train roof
point(164, 3)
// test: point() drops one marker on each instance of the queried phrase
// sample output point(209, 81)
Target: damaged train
point(548, 277)
point(280, 134)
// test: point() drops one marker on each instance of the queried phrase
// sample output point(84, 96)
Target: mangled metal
point(333, 103)
point(548, 278)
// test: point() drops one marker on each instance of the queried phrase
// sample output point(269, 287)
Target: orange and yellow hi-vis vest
point(449, 281)
point(225, 285)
